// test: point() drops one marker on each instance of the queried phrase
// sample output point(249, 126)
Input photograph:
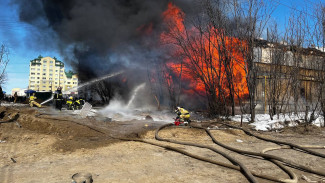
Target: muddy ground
point(51, 146)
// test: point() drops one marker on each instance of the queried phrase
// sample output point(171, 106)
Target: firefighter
point(32, 101)
point(82, 101)
point(58, 98)
point(77, 104)
point(70, 103)
point(15, 96)
point(182, 114)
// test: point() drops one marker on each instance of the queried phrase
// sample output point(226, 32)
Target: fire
point(215, 59)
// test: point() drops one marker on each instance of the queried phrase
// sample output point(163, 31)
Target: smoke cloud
point(98, 37)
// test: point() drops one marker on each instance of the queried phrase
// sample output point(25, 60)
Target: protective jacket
point(182, 111)
point(69, 101)
point(32, 101)
point(183, 114)
point(77, 102)
point(32, 98)
point(58, 96)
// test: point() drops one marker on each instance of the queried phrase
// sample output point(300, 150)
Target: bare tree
point(214, 43)
point(4, 60)
point(246, 21)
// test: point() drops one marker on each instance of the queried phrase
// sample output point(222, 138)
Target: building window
point(32, 77)
point(51, 70)
point(38, 73)
point(37, 77)
point(32, 73)
point(51, 74)
point(43, 77)
point(44, 70)
point(50, 78)
point(56, 71)
point(44, 74)
point(38, 69)
point(32, 82)
point(32, 69)
point(56, 82)
point(51, 62)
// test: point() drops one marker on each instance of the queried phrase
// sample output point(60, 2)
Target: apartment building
point(47, 74)
point(70, 81)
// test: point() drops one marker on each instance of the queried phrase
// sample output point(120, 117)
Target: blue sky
point(16, 36)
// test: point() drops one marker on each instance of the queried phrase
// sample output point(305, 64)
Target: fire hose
point(293, 146)
point(234, 167)
point(280, 162)
point(265, 156)
point(290, 173)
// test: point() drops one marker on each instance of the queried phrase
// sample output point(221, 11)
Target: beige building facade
point(46, 74)
point(70, 82)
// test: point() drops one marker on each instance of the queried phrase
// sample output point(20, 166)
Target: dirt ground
point(52, 145)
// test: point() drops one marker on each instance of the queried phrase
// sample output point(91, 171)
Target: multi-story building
point(47, 74)
point(70, 81)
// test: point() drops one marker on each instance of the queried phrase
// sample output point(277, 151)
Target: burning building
point(288, 77)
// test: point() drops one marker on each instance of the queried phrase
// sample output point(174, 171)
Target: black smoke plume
point(98, 37)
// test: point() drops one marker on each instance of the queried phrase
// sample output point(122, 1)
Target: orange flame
point(221, 60)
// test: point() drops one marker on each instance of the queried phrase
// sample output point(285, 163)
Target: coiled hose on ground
point(237, 165)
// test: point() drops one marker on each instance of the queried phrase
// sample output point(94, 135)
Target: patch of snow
point(263, 122)
point(319, 121)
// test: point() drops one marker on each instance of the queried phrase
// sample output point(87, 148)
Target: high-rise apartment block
point(47, 74)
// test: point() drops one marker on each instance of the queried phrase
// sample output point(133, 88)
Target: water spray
point(87, 83)
point(135, 93)
point(46, 101)
point(96, 80)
